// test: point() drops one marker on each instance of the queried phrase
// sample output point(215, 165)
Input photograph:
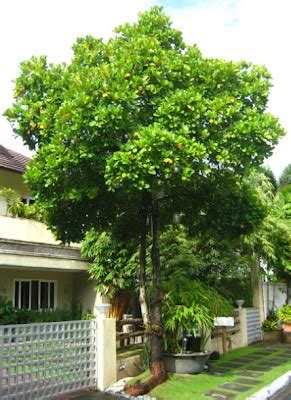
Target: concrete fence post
point(242, 312)
point(106, 352)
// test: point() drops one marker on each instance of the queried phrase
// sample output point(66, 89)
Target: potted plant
point(189, 309)
point(272, 332)
point(284, 315)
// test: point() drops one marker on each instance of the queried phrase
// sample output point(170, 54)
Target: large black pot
point(186, 363)
point(193, 344)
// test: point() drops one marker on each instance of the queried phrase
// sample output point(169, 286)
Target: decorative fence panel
point(40, 361)
point(253, 325)
point(130, 334)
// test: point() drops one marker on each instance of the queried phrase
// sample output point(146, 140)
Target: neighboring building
point(36, 271)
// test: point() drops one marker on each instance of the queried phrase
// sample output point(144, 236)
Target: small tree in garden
point(137, 128)
point(285, 177)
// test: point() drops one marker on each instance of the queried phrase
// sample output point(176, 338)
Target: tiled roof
point(13, 161)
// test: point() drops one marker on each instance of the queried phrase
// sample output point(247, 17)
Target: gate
point(40, 361)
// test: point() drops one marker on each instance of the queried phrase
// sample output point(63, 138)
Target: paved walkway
point(249, 370)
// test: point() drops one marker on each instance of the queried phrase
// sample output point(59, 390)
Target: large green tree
point(137, 128)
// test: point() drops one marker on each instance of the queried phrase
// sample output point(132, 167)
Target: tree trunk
point(158, 371)
point(288, 299)
point(257, 287)
point(142, 266)
point(157, 365)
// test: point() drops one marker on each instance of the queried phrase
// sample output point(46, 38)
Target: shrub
point(284, 314)
point(7, 311)
point(271, 323)
point(10, 315)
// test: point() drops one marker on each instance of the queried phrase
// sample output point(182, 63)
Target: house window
point(27, 200)
point(34, 294)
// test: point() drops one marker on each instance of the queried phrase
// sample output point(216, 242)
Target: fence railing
point(130, 334)
point(47, 359)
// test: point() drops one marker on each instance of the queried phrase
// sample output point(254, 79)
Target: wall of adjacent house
point(26, 230)
point(85, 293)
point(64, 283)
point(13, 180)
point(71, 285)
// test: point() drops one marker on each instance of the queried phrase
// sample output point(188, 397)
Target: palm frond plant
point(189, 308)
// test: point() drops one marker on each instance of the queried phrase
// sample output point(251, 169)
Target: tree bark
point(157, 365)
point(288, 299)
point(142, 265)
point(158, 371)
point(257, 287)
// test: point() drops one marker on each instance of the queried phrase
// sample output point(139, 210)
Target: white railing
point(39, 361)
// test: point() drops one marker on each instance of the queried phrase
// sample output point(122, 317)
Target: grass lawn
point(129, 353)
point(189, 387)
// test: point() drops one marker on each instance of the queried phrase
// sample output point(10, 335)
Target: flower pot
point(193, 344)
point(272, 336)
point(188, 363)
point(286, 326)
point(286, 337)
point(239, 303)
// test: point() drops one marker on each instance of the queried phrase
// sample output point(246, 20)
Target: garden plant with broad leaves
point(137, 128)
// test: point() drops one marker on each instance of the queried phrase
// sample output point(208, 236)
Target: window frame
point(27, 200)
point(39, 294)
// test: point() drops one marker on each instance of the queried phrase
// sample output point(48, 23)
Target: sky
point(254, 30)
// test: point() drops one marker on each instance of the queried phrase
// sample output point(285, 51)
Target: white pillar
point(106, 352)
point(242, 312)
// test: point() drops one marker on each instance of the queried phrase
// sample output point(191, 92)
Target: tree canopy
point(142, 111)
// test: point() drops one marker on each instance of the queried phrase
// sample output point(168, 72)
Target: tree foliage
point(114, 264)
point(142, 111)
point(285, 177)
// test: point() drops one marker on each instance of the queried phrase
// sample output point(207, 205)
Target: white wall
point(25, 230)
point(85, 292)
point(277, 295)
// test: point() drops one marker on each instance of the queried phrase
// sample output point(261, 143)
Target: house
point(36, 271)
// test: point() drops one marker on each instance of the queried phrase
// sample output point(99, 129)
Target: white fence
point(40, 361)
